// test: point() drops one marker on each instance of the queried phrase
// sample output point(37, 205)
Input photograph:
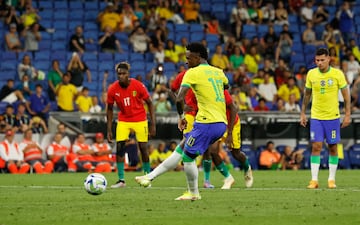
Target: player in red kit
point(129, 95)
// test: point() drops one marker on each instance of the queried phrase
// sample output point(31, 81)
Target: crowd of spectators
point(261, 66)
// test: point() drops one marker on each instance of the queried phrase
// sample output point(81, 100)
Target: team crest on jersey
point(330, 82)
point(134, 93)
point(322, 83)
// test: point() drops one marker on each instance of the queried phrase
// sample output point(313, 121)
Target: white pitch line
point(352, 189)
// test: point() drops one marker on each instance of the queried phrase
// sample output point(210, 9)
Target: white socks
point(192, 175)
point(170, 163)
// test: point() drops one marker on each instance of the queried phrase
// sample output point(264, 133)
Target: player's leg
point(142, 135)
point(220, 165)
point(332, 129)
point(122, 134)
point(317, 138)
point(206, 164)
point(169, 163)
point(197, 141)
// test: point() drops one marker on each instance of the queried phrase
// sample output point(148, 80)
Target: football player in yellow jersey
point(323, 84)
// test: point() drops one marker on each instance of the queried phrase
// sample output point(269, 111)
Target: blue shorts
point(321, 129)
point(202, 136)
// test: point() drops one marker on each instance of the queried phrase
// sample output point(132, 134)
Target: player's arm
point(109, 118)
point(150, 105)
point(180, 106)
point(306, 100)
point(346, 96)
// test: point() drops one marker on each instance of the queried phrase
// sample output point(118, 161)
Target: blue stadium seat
point(92, 5)
point(251, 154)
point(106, 65)
point(92, 64)
point(60, 55)
point(297, 58)
point(93, 86)
point(205, 7)
point(218, 7)
point(196, 36)
point(60, 15)
point(354, 155)
point(102, 57)
point(90, 26)
point(76, 5)
point(297, 48)
point(60, 25)
point(249, 28)
point(43, 65)
point(60, 5)
point(169, 66)
point(46, 5)
point(221, 17)
point(180, 35)
point(91, 15)
point(306, 159)
point(138, 66)
point(133, 57)
point(8, 65)
point(345, 162)
point(277, 29)
point(195, 27)
point(42, 55)
point(262, 29)
point(181, 27)
point(212, 38)
point(78, 16)
point(92, 47)
point(121, 57)
point(58, 45)
point(8, 55)
point(3, 104)
point(89, 56)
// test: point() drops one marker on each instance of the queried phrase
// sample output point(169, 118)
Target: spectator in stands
point(280, 73)
point(239, 17)
point(108, 41)
point(279, 106)
point(159, 54)
point(182, 49)
point(21, 119)
point(334, 57)
point(109, 18)
point(191, 10)
point(38, 125)
point(241, 78)
point(253, 11)
point(60, 156)
point(156, 38)
point(269, 157)
point(321, 15)
point(301, 78)
point(285, 30)
point(237, 58)
point(68, 138)
point(172, 52)
point(9, 94)
point(355, 95)
point(152, 19)
point(157, 76)
point(307, 12)
point(33, 154)
point(241, 99)
point(261, 107)
point(26, 86)
point(95, 107)
point(153, 156)
point(346, 23)
point(83, 101)
point(12, 40)
point(5, 9)
point(292, 105)
point(284, 48)
point(9, 118)
point(30, 16)
point(270, 41)
point(77, 68)
point(139, 13)
point(102, 153)
point(54, 78)
point(166, 11)
point(66, 94)
point(353, 66)
point(32, 37)
point(127, 19)
point(162, 105)
point(354, 49)
point(333, 42)
point(309, 35)
point(268, 68)
point(329, 32)
point(38, 104)
point(289, 88)
point(13, 18)
point(295, 6)
point(291, 159)
point(219, 59)
point(281, 14)
point(213, 27)
point(252, 60)
point(77, 41)
point(11, 157)
point(85, 155)
point(139, 40)
point(268, 89)
point(26, 67)
point(267, 13)
point(229, 45)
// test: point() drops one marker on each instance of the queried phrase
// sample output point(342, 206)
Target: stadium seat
point(8, 55)
point(138, 66)
point(92, 5)
point(181, 28)
point(133, 57)
point(196, 36)
point(121, 57)
point(345, 162)
point(251, 154)
point(42, 55)
point(91, 15)
point(46, 5)
point(58, 44)
point(179, 35)
point(262, 29)
point(73, 5)
point(195, 27)
point(105, 57)
point(60, 15)
point(8, 65)
point(93, 86)
point(354, 155)
point(90, 26)
point(89, 56)
point(60, 5)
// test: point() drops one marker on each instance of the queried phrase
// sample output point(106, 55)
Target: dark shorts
point(325, 129)
point(202, 136)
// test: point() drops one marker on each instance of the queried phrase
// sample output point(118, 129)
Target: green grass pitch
point(277, 197)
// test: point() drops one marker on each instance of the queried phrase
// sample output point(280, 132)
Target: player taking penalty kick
point(323, 84)
point(129, 95)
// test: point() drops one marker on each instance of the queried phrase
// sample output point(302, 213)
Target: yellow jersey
point(325, 89)
point(207, 83)
point(84, 103)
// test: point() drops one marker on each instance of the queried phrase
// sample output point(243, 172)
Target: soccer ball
point(95, 184)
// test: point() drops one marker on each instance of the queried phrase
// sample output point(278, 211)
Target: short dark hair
point(38, 85)
point(122, 65)
point(199, 48)
point(268, 143)
point(322, 51)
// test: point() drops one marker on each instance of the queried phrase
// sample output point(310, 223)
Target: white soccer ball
point(95, 183)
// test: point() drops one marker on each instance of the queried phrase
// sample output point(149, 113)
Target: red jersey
point(228, 101)
point(190, 99)
point(130, 100)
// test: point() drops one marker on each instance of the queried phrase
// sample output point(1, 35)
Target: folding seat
point(45, 5)
point(120, 57)
point(89, 56)
point(181, 27)
point(354, 155)
point(60, 15)
point(92, 5)
point(218, 7)
point(138, 66)
point(93, 86)
point(60, 5)
point(133, 57)
point(103, 57)
point(196, 36)
point(76, 5)
point(196, 27)
point(91, 15)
